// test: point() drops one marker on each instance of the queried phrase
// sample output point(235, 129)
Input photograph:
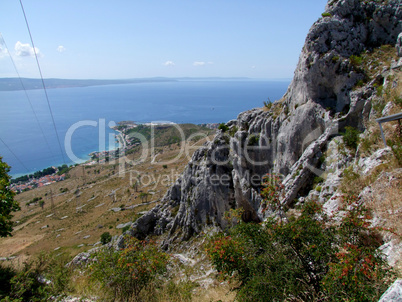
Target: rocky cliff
point(290, 136)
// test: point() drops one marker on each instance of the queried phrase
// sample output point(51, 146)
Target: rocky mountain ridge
point(292, 135)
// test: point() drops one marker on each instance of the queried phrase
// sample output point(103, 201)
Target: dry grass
point(385, 201)
point(378, 59)
point(67, 235)
point(220, 291)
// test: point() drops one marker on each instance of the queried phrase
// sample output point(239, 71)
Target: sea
point(82, 116)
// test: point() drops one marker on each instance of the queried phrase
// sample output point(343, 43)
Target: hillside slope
point(346, 76)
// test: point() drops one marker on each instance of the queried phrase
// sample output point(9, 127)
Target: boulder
point(393, 293)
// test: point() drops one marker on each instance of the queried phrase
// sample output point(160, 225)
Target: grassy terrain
point(163, 135)
point(74, 220)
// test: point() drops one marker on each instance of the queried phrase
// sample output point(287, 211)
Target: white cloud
point(201, 63)
point(169, 63)
point(61, 48)
point(3, 51)
point(198, 63)
point(25, 50)
point(3, 48)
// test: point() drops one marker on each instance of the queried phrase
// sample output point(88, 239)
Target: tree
point(135, 186)
point(143, 196)
point(106, 238)
point(7, 202)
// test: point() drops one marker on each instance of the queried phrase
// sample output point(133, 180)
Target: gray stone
point(369, 163)
point(399, 45)
point(123, 225)
point(393, 293)
point(80, 259)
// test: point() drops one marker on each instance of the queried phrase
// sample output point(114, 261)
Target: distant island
point(13, 84)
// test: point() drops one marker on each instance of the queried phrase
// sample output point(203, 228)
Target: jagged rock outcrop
point(291, 136)
point(394, 293)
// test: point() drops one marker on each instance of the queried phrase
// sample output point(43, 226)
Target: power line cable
point(26, 94)
point(11, 151)
point(43, 82)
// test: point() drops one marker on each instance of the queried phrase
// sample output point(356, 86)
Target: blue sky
point(148, 38)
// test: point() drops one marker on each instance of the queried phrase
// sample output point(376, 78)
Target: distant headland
point(13, 84)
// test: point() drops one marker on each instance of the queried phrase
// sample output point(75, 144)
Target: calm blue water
point(180, 102)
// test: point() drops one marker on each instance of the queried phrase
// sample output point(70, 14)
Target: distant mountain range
point(12, 84)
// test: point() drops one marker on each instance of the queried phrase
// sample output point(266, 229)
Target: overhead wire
point(26, 94)
point(11, 151)
point(43, 82)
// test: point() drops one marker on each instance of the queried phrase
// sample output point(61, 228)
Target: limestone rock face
point(290, 137)
point(399, 45)
point(394, 293)
point(324, 73)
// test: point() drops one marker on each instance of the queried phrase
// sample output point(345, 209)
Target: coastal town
point(38, 182)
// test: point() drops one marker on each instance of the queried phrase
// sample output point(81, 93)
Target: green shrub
point(105, 238)
point(317, 180)
point(6, 274)
point(356, 61)
point(41, 203)
point(36, 280)
point(268, 104)
point(304, 258)
point(125, 229)
point(379, 105)
point(359, 83)
point(272, 191)
point(398, 101)
point(125, 273)
point(380, 90)
point(223, 127)
point(351, 137)
point(359, 271)
point(233, 131)
point(253, 140)
point(326, 15)
point(396, 147)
